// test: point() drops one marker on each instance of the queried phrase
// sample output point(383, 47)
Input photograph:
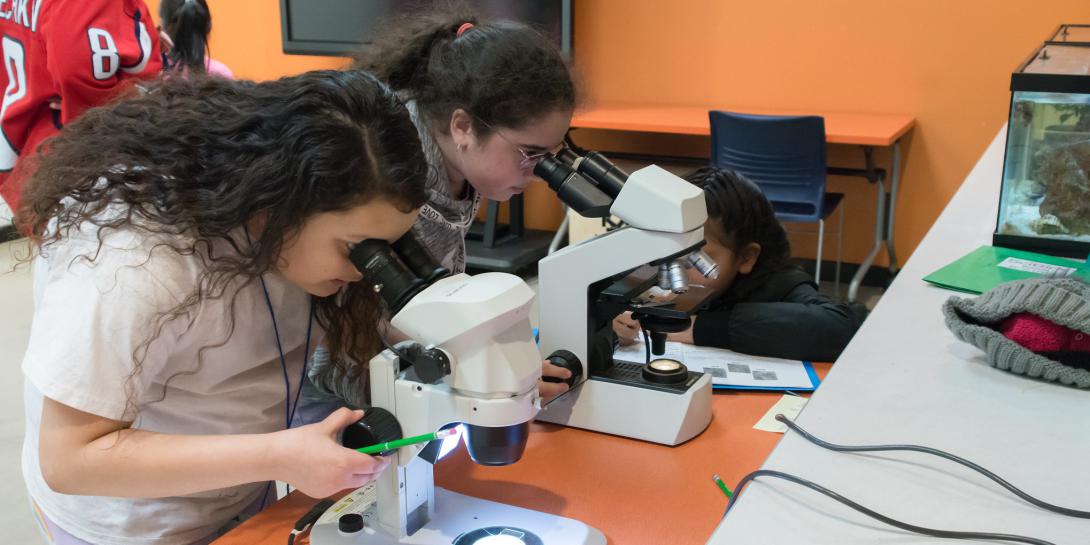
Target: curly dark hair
point(503, 73)
point(192, 161)
point(741, 214)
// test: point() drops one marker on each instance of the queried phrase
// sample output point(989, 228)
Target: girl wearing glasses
point(489, 99)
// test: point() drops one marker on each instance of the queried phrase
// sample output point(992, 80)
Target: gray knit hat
point(1063, 301)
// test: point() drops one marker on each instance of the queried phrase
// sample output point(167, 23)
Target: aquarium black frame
point(1054, 41)
point(1041, 245)
point(1051, 83)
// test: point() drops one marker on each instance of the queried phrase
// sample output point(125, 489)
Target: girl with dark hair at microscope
point(763, 304)
point(489, 99)
point(185, 276)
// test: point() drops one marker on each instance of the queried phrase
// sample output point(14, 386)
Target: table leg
point(894, 185)
point(880, 228)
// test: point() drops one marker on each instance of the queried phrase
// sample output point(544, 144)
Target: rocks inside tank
point(1065, 173)
point(1046, 178)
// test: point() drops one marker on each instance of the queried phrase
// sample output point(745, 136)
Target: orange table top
point(840, 127)
point(634, 492)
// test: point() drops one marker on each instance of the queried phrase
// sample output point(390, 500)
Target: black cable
point(878, 516)
point(942, 454)
point(401, 355)
point(306, 522)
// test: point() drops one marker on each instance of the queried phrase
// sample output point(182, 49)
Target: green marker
point(392, 445)
point(723, 487)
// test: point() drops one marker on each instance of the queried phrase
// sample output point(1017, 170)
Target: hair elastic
point(462, 29)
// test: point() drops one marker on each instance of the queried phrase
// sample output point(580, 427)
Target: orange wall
point(246, 37)
point(947, 63)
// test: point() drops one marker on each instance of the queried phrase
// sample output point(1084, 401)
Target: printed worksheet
point(729, 369)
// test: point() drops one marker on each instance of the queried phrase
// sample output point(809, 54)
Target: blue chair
point(785, 157)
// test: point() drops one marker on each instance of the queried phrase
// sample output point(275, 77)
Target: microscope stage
point(458, 515)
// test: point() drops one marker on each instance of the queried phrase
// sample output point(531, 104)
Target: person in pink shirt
point(184, 29)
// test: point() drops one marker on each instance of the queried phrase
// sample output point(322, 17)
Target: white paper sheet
point(789, 406)
point(728, 368)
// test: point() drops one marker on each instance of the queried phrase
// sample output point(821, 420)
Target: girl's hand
point(626, 328)
point(311, 459)
point(549, 390)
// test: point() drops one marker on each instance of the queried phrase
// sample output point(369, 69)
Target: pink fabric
point(1040, 335)
point(217, 68)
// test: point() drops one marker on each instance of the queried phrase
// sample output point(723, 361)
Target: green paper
point(979, 271)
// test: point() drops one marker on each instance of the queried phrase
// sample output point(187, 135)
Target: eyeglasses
point(529, 160)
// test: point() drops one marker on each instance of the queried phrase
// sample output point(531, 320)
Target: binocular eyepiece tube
point(398, 271)
point(588, 184)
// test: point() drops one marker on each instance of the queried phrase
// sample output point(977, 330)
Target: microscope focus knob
point(569, 361)
point(350, 523)
point(431, 364)
point(377, 426)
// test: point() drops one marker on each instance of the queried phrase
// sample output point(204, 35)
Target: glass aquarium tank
point(1044, 202)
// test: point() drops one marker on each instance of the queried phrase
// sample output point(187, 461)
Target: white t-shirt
point(89, 320)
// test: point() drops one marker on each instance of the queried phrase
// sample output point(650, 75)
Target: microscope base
point(632, 411)
point(457, 515)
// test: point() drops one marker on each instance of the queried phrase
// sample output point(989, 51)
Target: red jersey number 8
point(104, 57)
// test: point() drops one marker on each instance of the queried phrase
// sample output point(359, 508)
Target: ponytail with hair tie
point(507, 75)
point(188, 24)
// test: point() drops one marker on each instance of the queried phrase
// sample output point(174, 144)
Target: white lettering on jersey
point(21, 16)
point(34, 19)
point(20, 12)
point(104, 57)
point(14, 59)
point(144, 39)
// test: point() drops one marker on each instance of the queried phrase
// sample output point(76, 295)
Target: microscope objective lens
point(678, 284)
point(704, 263)
point(664, 276)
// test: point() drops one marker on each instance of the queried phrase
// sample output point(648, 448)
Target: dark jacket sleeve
point(805, 325)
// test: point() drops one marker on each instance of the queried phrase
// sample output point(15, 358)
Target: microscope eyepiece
point(572, 188)
point(395, 279)
point(418, 259)
point(606, 176)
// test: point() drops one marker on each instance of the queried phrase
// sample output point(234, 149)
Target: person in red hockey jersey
point(62, 57)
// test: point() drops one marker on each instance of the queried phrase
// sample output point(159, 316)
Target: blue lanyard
point(289, 413)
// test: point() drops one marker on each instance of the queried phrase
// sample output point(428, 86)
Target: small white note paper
point(1024, 265)
point(789, 406)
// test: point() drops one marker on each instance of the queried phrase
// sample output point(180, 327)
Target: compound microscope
point(472, 362)
point(584, 286)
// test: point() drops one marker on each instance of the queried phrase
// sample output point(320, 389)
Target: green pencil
point(723, 487)
point(391, 445)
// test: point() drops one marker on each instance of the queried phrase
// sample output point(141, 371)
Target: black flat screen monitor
point(339, 27)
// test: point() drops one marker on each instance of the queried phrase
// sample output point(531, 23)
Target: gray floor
point(15, 312)
point(15, 315)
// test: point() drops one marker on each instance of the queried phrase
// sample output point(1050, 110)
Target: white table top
point(906, 379)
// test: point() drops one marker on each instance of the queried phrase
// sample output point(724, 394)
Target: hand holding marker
point(393, 445)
